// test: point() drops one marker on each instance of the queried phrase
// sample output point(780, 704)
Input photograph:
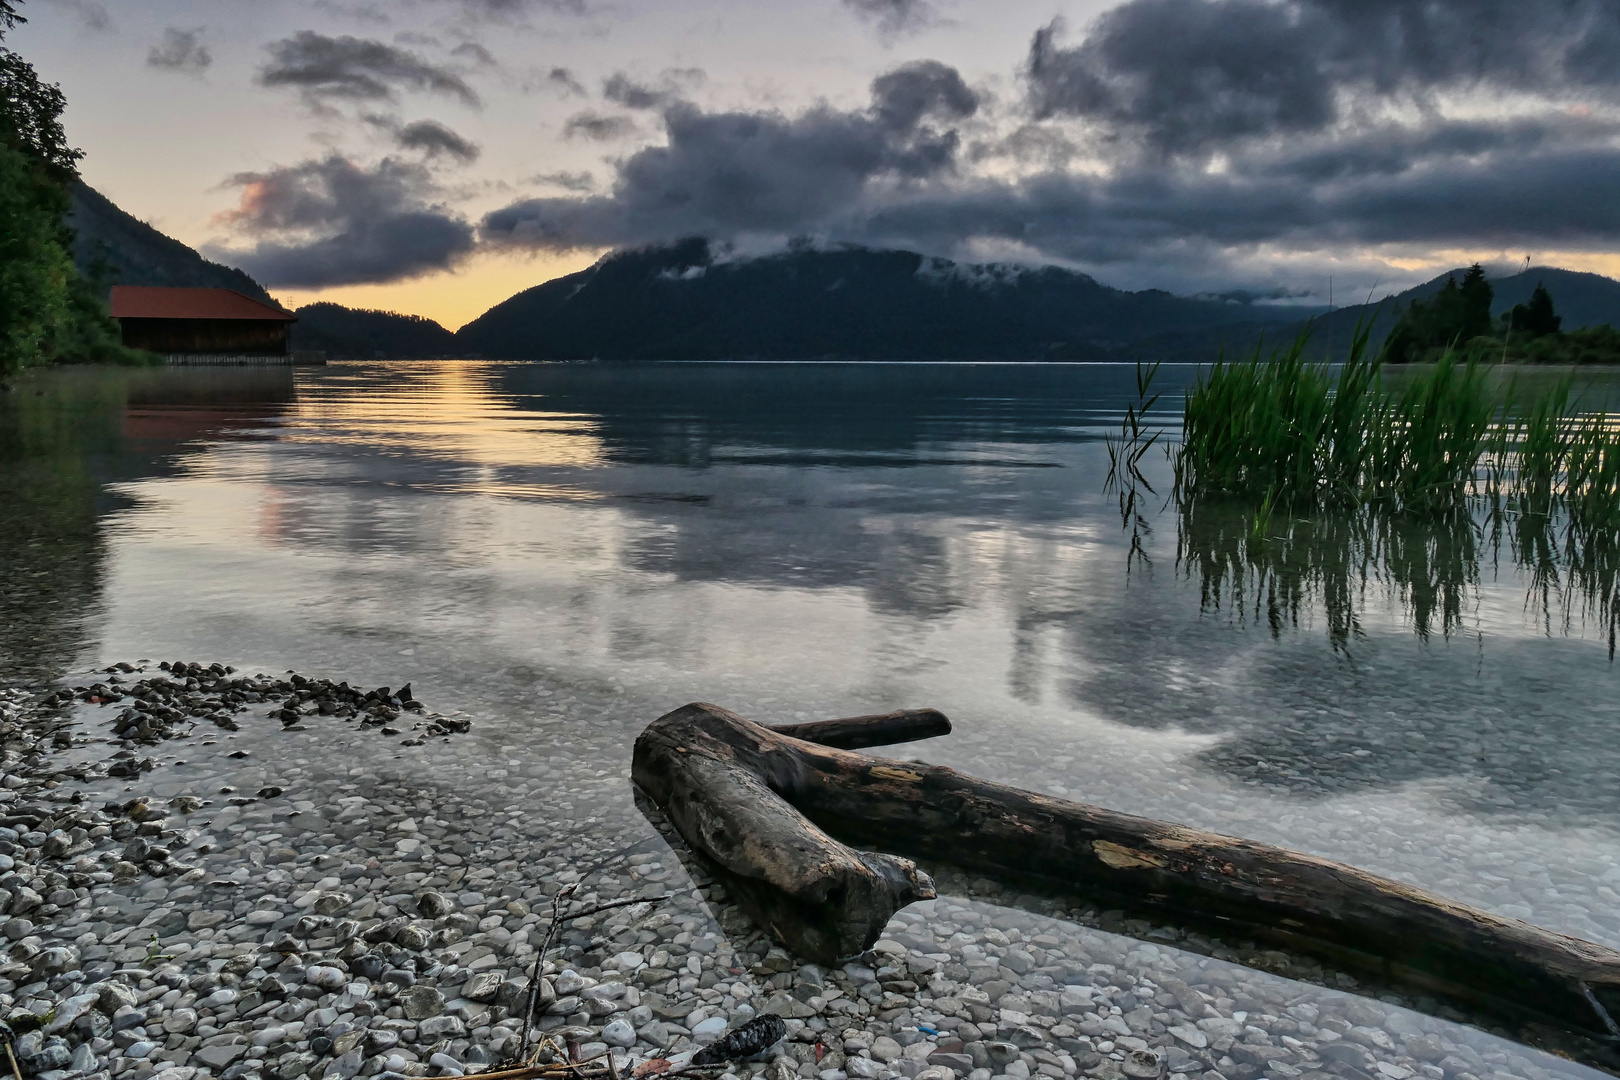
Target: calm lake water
point(535, 544)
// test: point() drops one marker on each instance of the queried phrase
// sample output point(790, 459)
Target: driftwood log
point(765, 806)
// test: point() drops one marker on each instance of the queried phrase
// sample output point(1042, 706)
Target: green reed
point(1298, 481)
point(1297, 432)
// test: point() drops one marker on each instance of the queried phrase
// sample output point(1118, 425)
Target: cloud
point(1202, 155)
point(92, 14)
point(597, 127)
point(726, 173)
point(433, 138)
point(563, 80)
point(1193, 76)
point(1151, 224)
point(359, 12)
point(335, 222)
point(475, 52)
point(568, 181)
point(181, 51)
point(356, 69)
point(894, 16)
point(671, 87)
point(513, 10)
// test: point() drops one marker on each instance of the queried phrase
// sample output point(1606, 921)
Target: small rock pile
point(161, 707)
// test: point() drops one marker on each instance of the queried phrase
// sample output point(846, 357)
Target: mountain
point(125, 251)
point(1583, 299)
point(134, 253)
point(687, 301)
point(364, 334)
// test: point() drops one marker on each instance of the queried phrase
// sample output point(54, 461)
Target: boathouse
point(202, 326)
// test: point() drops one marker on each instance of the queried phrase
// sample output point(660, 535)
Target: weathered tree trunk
point(756, 802)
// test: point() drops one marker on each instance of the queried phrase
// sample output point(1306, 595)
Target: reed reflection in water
point(1272, 566)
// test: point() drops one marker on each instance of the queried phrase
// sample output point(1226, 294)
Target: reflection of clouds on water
point(804, 542)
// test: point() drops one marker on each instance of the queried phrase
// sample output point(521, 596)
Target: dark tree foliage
point(31, 121)
point(358, 333)
point(1474, 298)
point(1456, 315)
point(1536, 319)
point(48, 312)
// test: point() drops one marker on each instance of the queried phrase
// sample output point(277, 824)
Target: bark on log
point(756, 802)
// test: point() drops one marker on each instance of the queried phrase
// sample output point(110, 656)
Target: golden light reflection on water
point(450, 411)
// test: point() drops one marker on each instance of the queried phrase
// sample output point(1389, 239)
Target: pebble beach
point(210, 873)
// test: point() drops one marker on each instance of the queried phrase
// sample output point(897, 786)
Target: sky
point(437, 156)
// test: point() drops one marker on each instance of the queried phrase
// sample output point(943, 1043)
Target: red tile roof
point(159, 302)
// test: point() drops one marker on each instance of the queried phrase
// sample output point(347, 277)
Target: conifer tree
point(1537, 318)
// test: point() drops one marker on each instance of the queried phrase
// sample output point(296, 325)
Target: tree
point(36, 274)
point(31, 120)
point(1536, 319)
point(1474, 297)
point(47, 310)
point(1457, 314)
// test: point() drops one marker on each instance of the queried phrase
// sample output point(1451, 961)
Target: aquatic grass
point(1299, 432)
point(1299, 483)
point(1424, 446)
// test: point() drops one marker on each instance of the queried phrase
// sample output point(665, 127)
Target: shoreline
point(334, 927)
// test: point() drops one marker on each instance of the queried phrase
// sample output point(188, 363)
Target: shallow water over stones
point(370, 918)
point(559, 555)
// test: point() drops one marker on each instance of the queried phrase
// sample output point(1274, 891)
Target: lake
point(565, 552)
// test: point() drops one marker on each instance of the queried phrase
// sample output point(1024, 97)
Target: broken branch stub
point(859, 732)
point(756, 802)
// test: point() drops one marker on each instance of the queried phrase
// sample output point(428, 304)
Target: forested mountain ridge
point(688, 301)
point(119, 249)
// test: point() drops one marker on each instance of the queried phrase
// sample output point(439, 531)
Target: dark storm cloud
point(1189, 75)
point(1226, 143)
point(1148, 213)
point(597, 127)
point(433, 139)
point(356, 69)
point(333, 222)
point(181, 51)
point(893, 16)
point(904, 97)
point(724, 173)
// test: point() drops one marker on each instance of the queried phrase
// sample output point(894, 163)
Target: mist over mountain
point(688, 301)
